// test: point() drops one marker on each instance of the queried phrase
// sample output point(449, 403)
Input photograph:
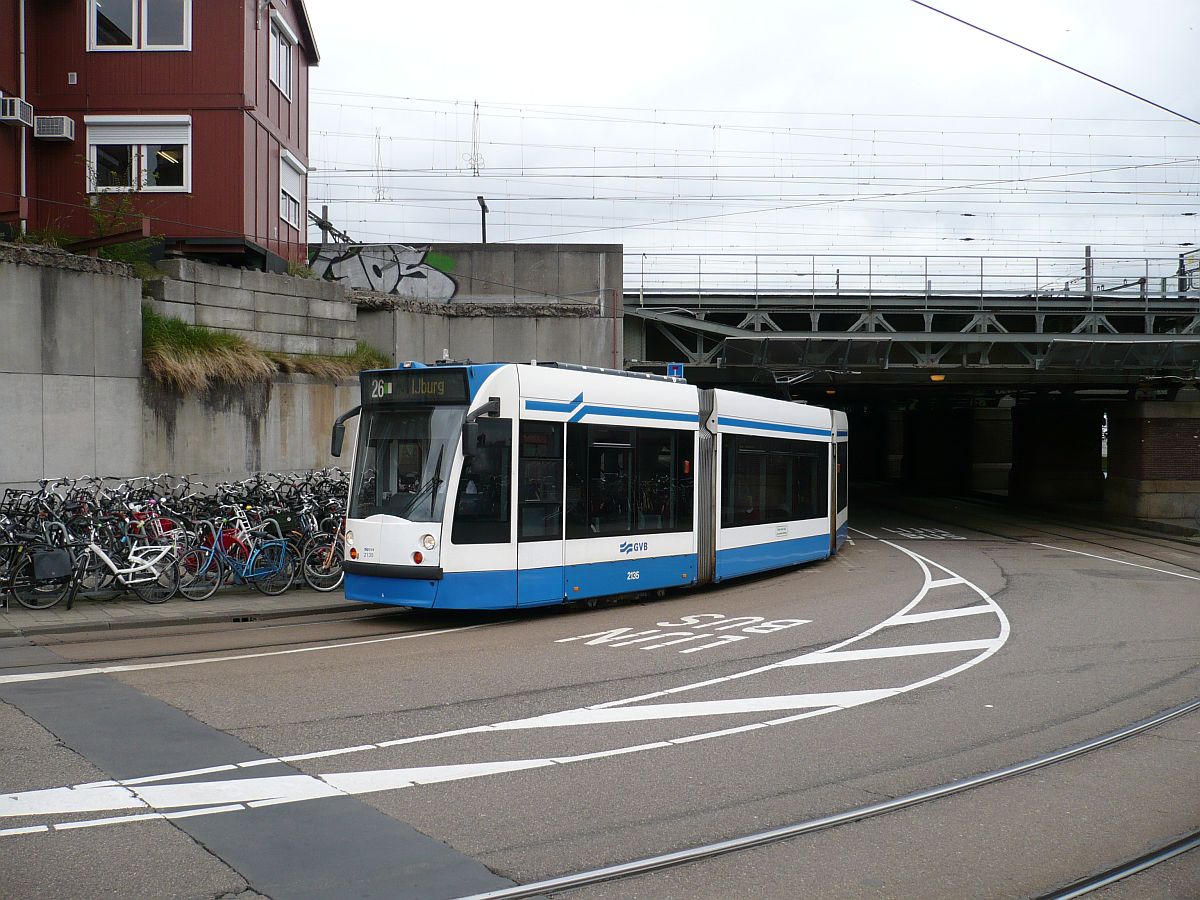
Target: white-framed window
point(139, 153)
point(139, 24)
point(291, 188)
point(283, 40)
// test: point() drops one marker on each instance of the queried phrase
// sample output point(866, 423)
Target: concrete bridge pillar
point(1154, 461)
point(991, 448)
point(1056, 451)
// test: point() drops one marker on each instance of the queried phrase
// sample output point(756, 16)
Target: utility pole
point(483, 211)
point(1087, 273)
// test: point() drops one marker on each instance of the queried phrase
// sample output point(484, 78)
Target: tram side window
point(481, 512)
point(664, 482)
point(607, 483)
point(627, 480)
point(843, 479)
point(540, 478)
point(766, 480)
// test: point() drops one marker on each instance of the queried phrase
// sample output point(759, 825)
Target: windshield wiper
point(431, 484)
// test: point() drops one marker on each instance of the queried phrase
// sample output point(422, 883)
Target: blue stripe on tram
point(763, 557)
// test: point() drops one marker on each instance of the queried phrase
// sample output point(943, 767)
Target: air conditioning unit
point(17, 111)
point(54, 128)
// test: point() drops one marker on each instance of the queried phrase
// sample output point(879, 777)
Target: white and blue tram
point(498, 486)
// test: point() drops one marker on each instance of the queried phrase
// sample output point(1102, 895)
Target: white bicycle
point(148, 570)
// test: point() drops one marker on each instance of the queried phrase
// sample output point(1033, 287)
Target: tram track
point(1181, 545)
point(1026, 519)
point(263, 636)
point(660, 862)
point(1026, 736)
point(1126, 869)
point(355, 616)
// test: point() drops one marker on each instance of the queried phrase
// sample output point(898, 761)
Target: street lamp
point(483, 211)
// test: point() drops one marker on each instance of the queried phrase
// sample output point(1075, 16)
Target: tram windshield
point(403, 462)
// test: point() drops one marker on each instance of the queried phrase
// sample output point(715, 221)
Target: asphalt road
point(414, 755)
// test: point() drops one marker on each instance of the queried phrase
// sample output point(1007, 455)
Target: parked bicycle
point(118, 535)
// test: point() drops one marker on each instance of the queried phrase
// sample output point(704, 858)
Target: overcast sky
point(814, 126)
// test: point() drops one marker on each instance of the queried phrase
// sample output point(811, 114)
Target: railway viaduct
point(1053, 380)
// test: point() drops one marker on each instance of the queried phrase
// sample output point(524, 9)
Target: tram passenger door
point(540, 575)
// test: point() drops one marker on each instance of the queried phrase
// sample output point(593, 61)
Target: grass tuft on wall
point(340, 366)
point(192, 358)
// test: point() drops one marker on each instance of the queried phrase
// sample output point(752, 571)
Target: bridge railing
point(893, 275)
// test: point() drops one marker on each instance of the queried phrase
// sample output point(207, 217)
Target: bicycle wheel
point(200, 573)
point(272, 570)
point(96, 580)
point(30, 593)
point(322, 567)
point(163, 586)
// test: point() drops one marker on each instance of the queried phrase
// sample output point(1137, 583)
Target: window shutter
point(132, 131)
point(290, 178)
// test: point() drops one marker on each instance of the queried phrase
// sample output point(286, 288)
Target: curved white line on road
point(205, 798)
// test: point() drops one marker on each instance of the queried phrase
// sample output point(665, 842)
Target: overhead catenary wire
point(1058, 62)
point(856, 165)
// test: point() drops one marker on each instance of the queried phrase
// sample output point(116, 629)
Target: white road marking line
point(112, 820)
point(913, 618)
point(929, 581)
point(1118, 561)
point(238, 790)
point(726, 732)
point(63, 800)
point(29, 829)
point(210, 810)
point(188, 774)
point(891, 652)
point(619, 751)
point(143, 667)
point(946, 582)
point(253, 792)
point(659, 712)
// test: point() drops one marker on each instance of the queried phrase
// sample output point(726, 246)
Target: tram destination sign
point(415, 386)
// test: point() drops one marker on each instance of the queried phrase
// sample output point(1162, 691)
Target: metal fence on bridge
point(896, 275)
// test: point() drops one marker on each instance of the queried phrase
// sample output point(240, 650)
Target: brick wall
point(1165, 447)
point(1154, 461)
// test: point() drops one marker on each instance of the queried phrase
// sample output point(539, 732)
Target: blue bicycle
point(223, 553)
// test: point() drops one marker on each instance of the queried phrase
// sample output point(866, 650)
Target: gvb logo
point(628, 547)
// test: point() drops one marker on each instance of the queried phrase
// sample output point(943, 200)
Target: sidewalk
point(129, 612)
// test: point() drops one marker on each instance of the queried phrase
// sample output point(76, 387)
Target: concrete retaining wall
point(272, 312)
point(491, 333)
point(70, 365)
point(478, 273)
point(278, 426)
point(76, 402)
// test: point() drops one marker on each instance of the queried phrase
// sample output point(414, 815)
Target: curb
point(242, 615)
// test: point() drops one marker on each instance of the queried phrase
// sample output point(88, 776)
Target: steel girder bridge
point(1014, 324)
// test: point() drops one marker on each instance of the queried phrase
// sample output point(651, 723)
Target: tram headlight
point(349, 537)
point(428, 541)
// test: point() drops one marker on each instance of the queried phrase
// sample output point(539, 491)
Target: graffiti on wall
point(413, 273)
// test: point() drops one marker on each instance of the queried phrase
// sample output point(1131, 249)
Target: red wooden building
point(195, 112)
